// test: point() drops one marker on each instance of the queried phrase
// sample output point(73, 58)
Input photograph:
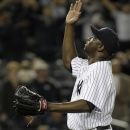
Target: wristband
point(43, 105)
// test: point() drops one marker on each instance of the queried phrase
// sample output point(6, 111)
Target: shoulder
point(100, 66)
point(79, 60)
point(100, 70)
point(77, 65)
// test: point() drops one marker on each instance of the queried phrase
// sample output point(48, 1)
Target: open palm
point(74, 12)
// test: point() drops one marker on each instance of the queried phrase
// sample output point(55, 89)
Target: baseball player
point(94, 92)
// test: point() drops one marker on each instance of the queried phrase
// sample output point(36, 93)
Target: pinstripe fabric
point(94, 83)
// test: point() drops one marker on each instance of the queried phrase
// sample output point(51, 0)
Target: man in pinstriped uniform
point(94, 84)
point(94, 92)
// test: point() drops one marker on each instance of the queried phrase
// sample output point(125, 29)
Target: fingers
point(26, 101)
point(77, 6)
point(25, 107)
point(71, 6)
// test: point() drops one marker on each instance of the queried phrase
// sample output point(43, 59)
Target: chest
point(82, 78)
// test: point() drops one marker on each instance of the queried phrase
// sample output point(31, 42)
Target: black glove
point(28, 102)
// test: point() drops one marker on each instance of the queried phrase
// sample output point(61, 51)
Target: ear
point(100, 47)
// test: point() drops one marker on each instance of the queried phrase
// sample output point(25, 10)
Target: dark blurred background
point(31, 34)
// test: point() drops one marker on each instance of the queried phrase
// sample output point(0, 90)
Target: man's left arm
point(71, 107)
point(30, 103)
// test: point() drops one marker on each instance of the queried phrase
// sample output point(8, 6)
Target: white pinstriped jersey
point(94, 83)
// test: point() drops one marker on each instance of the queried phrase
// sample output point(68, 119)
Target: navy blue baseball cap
point(108, 38)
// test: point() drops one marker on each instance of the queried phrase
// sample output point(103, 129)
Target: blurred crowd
point(31, 34)
point(51, 81)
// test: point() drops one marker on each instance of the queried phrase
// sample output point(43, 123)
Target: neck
point(98, 57)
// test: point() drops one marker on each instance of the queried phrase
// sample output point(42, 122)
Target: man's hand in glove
point(28, 102)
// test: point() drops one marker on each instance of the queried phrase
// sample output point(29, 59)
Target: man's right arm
point(69, 49)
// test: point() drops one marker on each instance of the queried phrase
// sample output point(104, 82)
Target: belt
point(103, 127)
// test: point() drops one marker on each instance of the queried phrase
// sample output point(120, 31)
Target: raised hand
point(74, 12)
